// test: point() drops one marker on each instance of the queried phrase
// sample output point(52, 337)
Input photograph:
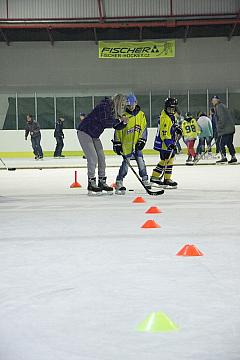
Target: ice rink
point(78, 273)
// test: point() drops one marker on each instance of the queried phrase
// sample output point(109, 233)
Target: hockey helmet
point(131, 100)
point(188, 116)
point(170, 105)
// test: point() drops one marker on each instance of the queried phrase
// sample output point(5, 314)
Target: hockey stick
point(7, 168)
point(3, 163)
point(204, 153)
point(160, 192)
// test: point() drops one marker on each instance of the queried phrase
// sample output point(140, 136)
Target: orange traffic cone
point(150, 224)
point(189, 250)
point(139, 200)
point(75, 184)
point(153, 210)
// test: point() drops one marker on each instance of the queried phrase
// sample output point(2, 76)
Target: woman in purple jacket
point(107, 114)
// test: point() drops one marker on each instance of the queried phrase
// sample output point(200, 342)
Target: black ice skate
point(156, 182)
point(223, 160)
point(103, 185)
point(169, 184)
point(93, 189)
point(120, 189)
point(189, 160)
point(233, 160)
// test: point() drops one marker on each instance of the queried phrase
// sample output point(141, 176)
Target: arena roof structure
point(93, 20)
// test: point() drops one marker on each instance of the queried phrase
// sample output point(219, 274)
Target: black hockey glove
point(172, 147)
point(140, 144)
point(178, 131)
point(117, 147)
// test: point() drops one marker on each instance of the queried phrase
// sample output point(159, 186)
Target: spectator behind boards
point(59, 136)
point(226, 130)
point(33, 128)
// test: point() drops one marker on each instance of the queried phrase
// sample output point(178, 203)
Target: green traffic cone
point(157, 322)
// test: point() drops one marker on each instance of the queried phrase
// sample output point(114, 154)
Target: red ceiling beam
point(118, 25)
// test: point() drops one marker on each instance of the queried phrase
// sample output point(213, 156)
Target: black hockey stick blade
point(154, 193)
point(7, 168)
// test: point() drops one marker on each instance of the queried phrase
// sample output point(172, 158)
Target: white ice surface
point(78, 274)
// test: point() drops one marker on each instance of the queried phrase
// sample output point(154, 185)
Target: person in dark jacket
point(107, 114)
point(213, 118)
point(59, 136)
point(226, 130)
point(33, 128)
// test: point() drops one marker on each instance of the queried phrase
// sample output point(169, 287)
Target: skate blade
point(93, 193)
point(167, 187)
point(157, 186)
point(118, 192)
point(107, 192)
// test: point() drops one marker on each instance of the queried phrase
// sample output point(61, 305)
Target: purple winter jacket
point(100, 118)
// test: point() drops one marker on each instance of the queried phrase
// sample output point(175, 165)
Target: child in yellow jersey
point(165, 142)
point(191, 131)
point(130, 141)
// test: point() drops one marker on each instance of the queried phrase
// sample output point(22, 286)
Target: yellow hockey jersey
point(135, 129)
point(190, 129)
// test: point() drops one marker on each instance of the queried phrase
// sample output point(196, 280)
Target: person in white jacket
point(206, 135)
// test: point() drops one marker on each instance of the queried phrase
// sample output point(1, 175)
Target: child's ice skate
point(147, 184)
point(169, 184)
point(120, 189)
point(156, 182)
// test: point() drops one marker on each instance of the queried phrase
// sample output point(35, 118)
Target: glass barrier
point(25, 106)
point(47, 107)
point(46, 112)
point(234, 106)
point(8, 118)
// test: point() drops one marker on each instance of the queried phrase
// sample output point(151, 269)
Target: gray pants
point(93, 151)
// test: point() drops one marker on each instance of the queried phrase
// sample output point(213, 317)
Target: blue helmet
point(131, 99)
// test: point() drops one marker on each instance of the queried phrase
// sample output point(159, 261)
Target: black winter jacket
point(33, 128)
point(58, 132)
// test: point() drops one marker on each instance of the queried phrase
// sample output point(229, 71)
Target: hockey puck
point(11, 169)
point(130, 190)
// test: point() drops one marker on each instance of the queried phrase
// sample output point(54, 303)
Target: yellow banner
point(136, 49)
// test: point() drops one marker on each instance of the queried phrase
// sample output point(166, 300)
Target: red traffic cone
point(139, 200)
point(150, 224)
point(153, 210)
point(75, 184)
point(189, 250)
